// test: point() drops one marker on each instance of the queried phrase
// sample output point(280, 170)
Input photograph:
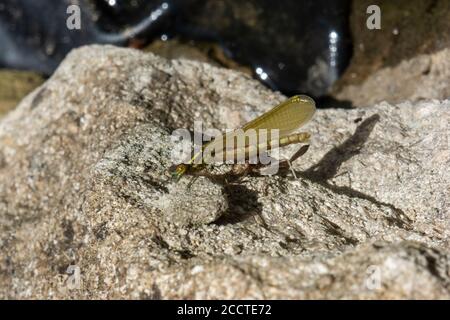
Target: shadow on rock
point(242, 204)
point(328, 167)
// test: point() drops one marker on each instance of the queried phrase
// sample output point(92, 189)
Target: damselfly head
point(178, 171)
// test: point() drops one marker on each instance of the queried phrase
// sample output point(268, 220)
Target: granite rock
point(88, 210)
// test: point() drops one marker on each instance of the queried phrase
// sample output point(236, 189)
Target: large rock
point(410, 31)
point(425, 76)
point(84, 188)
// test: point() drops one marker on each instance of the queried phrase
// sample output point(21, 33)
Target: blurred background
point(315, 47)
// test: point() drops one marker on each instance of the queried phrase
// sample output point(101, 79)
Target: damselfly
point(277, 124)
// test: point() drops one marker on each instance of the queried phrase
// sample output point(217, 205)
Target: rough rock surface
point(425, 76)
point(84, 187)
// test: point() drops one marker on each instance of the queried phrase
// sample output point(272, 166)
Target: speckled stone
point(84, 183)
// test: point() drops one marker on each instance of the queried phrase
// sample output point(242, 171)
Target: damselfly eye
point(179, 171)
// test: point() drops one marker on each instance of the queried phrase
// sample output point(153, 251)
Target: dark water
point(292, 46)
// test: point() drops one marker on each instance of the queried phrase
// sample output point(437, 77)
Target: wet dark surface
point(292, 46)
point(34, 34)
